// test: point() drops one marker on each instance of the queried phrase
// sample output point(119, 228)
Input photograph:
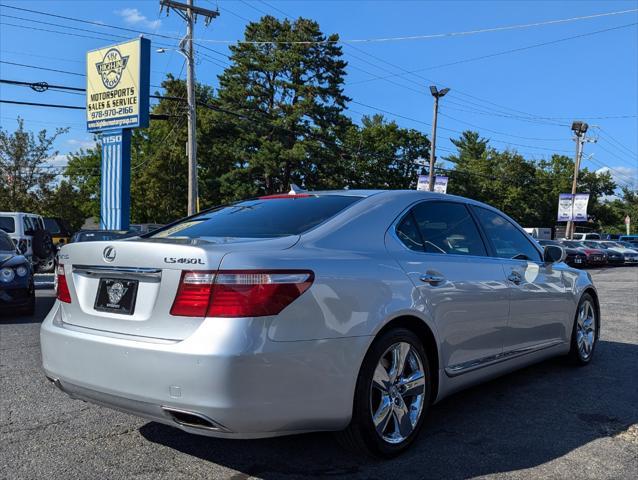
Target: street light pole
point(436, 93)
point(579, 129)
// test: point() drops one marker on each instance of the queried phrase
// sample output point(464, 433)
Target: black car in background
point(575, 258)
point(17, 288)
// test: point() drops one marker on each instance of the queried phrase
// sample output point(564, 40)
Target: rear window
point(7, 224)
point(51, 225)
point(96, 236)
point(261, 218)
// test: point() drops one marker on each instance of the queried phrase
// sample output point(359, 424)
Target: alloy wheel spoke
point(399, 357)
point(383, 414)
point(402, 417)
point(381, 378)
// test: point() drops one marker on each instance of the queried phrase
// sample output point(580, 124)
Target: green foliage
point(289, 102)
point(24, 179)
point(383, 155)
point(527, 190)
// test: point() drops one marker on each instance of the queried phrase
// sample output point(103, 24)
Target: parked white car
point(30, 236)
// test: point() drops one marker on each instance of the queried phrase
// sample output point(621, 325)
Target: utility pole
point(436, 93)
point(579, 128)
point(189, 13)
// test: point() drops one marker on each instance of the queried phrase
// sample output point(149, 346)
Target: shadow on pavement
point(518, 421)
point(42, 307)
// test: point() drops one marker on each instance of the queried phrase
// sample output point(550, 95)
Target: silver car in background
point(349, 311)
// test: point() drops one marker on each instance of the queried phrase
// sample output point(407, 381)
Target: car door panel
point(540, 301)
point(465, 294)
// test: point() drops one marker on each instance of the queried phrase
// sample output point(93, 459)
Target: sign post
point(117, 100)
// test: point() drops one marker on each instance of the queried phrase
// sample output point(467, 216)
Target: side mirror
point(554, 254)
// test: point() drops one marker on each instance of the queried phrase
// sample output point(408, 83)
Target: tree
point(67, 203)
point(83, 172)
point(527, 190)
point(383, 155)
point(24, 179)
point(286, 101)
point(621, 206)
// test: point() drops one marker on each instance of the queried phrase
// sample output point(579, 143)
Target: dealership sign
point(572, 207)
point(117, 86)
point(117, 100)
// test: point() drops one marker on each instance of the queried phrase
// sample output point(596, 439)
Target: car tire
point(585, 331)
point(382, 391)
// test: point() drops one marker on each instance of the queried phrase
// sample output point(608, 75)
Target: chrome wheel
point(398, 392)
point(586, 329)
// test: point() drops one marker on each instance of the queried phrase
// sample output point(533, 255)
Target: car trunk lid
point(128, 287)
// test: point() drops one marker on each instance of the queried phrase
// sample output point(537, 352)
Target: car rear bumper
point(227, 373)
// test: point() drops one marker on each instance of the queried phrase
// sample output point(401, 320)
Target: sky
point(519, 87)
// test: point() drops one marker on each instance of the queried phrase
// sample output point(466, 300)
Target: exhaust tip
point(193, 419)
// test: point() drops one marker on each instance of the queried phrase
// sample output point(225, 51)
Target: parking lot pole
point(436, 93)
point(579, 128)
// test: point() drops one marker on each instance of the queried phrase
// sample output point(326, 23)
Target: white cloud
point(79, 143)
point(622, 175)
point(132, 16)
point(59, 160)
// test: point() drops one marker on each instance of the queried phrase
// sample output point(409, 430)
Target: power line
point(619, 144)
point(504, 52)
point(436, 35)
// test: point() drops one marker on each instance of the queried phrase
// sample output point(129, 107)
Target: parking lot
point(550, 420)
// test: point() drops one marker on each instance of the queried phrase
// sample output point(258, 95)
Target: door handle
point(432, 278)
point(515, 278)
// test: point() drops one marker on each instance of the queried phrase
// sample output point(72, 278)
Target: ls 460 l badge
point(192, 261)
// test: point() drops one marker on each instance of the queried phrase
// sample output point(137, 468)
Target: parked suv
point(32, 239)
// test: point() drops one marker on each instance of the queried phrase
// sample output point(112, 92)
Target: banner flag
point(440, 184)
point(565, 207)
point(422, 183)
point(579, 213)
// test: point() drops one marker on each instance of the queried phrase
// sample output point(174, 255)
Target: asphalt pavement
point(551, 420)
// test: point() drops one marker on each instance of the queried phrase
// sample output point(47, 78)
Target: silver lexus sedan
point(348, 311)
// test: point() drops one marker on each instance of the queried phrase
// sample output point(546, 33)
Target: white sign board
point(440, 184)
point(422, 183)
point(579, 213)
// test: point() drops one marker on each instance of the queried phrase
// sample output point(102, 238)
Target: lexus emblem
point(109, 254)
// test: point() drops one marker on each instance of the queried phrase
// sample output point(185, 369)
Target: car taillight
point(193, 294)
point(63, 288)
point(245, 293)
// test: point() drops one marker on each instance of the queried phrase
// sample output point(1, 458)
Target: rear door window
point(8, 224)
point(444, 227)
point(277, 216)
point(507, 240)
